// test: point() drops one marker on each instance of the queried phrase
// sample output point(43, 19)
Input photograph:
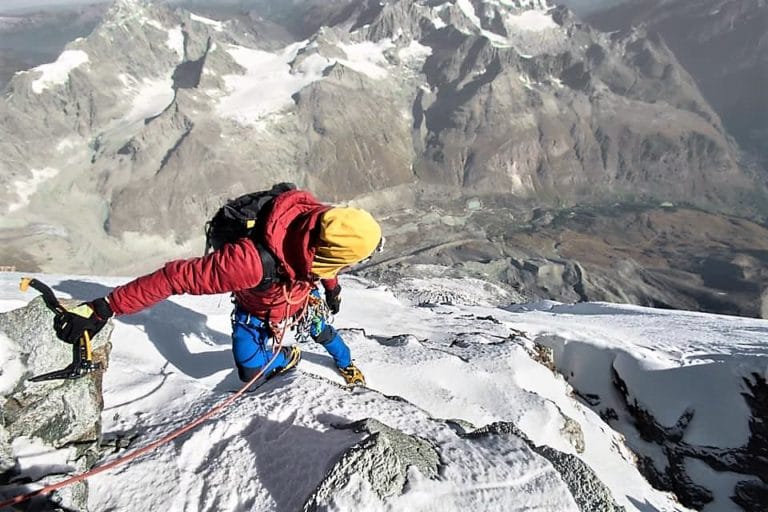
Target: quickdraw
point(315, 314)
point(82, 355)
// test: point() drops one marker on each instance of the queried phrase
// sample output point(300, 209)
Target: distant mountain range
point(724, 45)
point(424, 111)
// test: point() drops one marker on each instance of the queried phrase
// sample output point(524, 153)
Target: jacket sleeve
point(330, 284)
point(234, 267)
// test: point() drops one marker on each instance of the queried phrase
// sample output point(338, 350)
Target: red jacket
point(237, 267)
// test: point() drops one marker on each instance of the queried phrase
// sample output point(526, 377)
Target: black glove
point(71, 325)
point(333, 298)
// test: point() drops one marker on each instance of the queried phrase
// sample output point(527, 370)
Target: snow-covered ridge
point(476, 365)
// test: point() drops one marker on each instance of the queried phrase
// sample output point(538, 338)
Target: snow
point(217, 25)
point(176, 40)
point(153, 23)
point(415, 51)
point(469, 11)
point(268, 82)
point(57, 73)
point(454, 360)
point(12, 368)
point(533, 21)
point(520, 26)
point(25, 189)
point(150, 98)
point(35, 459)
point(438, 23)
point(367, 57)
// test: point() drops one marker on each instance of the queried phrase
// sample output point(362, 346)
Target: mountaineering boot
point(352, 375)
point(293, 354)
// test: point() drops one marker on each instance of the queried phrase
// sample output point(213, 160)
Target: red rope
point(163, 440)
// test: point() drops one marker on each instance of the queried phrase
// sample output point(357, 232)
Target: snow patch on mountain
point(415, 52)
point(25, 189)
point(527, 26)
point(57, 73)
point(469, 11)
point(533, 20)
point(175, 39)
point(268, 82)
point(218, 26)
point(367, 57)
point(150, 98)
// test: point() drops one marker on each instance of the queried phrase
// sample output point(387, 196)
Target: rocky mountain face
point(723, 44)
point(116, 154)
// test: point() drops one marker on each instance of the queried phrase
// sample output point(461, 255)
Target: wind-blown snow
point(57, 73)
point(25, 189)
point(448, 360)
point(268, 82)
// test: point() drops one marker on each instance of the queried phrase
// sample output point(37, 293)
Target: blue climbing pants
point(251, 344)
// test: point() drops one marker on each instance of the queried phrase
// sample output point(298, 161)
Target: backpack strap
point(270, 267)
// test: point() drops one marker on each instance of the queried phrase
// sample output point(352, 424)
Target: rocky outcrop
point(751, 459)
point(381, 459)
point(60, 418)
point(666, 433)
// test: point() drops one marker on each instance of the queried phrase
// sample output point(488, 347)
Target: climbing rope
point(213, 411)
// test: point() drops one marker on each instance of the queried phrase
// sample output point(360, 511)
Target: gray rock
point(381, 459)
point(60, 414)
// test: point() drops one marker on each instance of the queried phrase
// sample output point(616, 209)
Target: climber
point(271, 276)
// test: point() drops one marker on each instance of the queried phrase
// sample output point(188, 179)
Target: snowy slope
point(271, 449)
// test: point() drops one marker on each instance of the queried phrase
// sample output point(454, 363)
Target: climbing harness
point(82, 354)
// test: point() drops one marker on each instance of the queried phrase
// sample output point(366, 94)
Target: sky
point(7, 5)
point(467, 361)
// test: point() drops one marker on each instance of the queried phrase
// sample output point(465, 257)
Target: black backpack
point(244, 218)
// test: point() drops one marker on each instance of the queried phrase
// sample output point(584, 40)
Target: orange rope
point(163, 440)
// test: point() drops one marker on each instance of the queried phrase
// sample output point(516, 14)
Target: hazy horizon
point(579, 6)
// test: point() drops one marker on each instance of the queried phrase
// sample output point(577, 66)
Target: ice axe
point(82, 356)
